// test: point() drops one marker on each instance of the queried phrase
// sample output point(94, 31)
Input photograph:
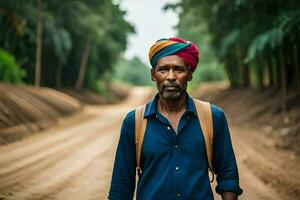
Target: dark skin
point(171, 75)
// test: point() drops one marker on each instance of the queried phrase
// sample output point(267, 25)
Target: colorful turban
point(186, 50)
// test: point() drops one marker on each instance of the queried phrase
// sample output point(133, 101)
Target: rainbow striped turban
point(186, 50)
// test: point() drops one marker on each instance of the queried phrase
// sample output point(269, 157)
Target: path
point(74, 160)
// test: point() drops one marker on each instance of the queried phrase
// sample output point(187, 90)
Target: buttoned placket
point(176, 147)
point(182, 123)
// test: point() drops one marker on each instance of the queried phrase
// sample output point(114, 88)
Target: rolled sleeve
point(123, 178)
point(224, 162)
point(228, 186)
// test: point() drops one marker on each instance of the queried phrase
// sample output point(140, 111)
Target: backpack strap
point(206, 122)
point(140, 128)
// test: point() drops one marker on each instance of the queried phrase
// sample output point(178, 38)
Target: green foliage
point(267, 40)
point(210, 72)
point(133, 72)
point(246, 34)
point(67, 27)
point(228, 43)
point(10, 71)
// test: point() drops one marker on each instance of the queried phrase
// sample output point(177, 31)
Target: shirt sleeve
point(224, 162)
point(123, 178)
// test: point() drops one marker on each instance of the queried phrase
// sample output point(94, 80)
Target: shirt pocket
point(155, 145)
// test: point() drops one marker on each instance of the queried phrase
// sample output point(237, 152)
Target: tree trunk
point(271, 71)
point(58, 76)
point(259, 73)
point(245, 72)
point(229, 71)
point(283, 81)
point(239, 69)
point(278, 69)
point(260, 77)
point(83, 64)
point(38, 40)
point(296, 67)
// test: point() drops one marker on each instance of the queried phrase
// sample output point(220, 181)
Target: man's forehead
point(172, 60)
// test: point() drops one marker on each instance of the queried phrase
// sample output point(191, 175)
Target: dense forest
point(131, 72)
point(60, 43)
point(75, 43)
point(256, 42)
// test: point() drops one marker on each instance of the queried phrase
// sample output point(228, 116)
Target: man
point(173, 158)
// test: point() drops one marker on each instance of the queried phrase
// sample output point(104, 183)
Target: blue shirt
point(174, 166)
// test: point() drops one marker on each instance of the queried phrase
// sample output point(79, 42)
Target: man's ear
point(153, 75)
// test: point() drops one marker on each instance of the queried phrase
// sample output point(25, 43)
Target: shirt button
point(178, 194)
point(177, 168)
point(168, 127)
point(176, 146)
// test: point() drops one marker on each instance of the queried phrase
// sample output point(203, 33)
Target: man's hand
point(229, 196)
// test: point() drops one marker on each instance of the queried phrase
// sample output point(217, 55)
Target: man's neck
point(172, 106)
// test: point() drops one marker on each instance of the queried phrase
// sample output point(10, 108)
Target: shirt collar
point(151, 107)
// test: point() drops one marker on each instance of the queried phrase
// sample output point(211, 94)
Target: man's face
point(171, 75)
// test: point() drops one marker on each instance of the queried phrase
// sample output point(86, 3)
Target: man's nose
point(171, 76)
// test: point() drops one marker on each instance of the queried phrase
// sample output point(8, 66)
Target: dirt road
point(73, 161)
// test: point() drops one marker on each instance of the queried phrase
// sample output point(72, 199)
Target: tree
point(10, 70)
point(39, 30)
point(249, 38)
point(77, 37)
point(133, 72)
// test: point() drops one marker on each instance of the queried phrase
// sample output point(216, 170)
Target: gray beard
point(172, 94)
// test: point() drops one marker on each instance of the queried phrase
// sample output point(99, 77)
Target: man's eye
point(180, 69)
point(162, 69)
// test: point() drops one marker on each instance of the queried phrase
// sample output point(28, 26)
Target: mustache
point(176, 85)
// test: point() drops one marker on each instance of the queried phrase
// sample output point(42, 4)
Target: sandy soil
point(74, 160)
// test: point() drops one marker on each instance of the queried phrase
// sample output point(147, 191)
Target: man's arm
point(224, 162)
point(123, 177)
point(229, 196)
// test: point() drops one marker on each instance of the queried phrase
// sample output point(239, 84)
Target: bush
point(10, 70)
point(208, 72)
point(211, 75)
point(133, 72)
